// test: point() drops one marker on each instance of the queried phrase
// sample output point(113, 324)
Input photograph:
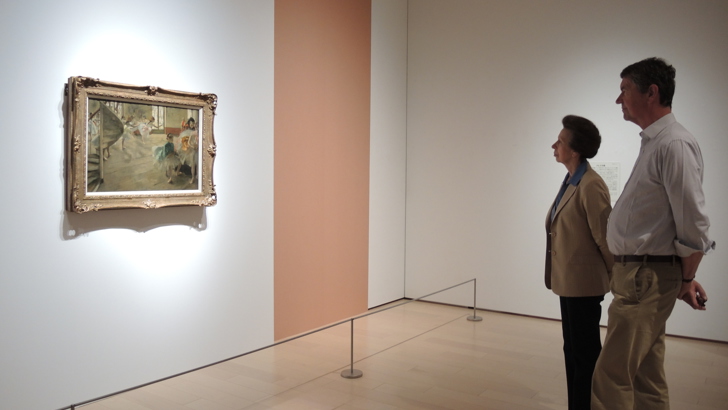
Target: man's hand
point(693, 294)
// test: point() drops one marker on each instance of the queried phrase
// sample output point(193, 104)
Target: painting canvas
point(138, 147)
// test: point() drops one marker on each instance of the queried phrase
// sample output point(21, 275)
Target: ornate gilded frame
point(95, 114)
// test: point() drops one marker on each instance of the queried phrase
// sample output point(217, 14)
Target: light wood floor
point(418, 356)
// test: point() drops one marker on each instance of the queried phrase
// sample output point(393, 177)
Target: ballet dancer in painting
point(188, 147)
point(166, 157)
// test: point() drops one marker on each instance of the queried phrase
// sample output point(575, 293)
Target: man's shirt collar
point(654, 129)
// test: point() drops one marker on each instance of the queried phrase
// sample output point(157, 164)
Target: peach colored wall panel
point(321, 164)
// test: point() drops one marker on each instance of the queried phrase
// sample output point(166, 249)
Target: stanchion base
point(475, 318)
point(351, 374)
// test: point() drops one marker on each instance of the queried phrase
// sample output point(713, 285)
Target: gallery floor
point(418, 356)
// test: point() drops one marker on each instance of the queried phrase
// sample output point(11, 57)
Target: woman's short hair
point(585, 138)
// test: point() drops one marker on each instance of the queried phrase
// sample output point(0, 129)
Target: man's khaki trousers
point(629, 373)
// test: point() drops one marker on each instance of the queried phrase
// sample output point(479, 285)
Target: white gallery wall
point(488, 84)
point(94, 303)
point(388, 151)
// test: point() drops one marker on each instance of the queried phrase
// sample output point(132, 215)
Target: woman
point(167, 158)
point(578, 262)
point(188, 149)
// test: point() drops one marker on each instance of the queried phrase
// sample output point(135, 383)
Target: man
point(658, 232)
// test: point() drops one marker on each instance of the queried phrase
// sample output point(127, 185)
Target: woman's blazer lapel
point(570, 189)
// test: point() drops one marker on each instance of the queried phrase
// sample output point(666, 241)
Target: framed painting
point(137, 146)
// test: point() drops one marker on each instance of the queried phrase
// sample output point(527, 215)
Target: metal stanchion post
point(351, 372)
point(475, 318)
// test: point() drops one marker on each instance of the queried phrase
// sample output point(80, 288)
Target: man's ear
point(653, 91)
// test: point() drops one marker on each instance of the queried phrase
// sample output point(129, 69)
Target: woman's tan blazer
point(578, 262)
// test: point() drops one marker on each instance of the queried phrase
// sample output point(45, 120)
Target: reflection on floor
point(418, 356)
